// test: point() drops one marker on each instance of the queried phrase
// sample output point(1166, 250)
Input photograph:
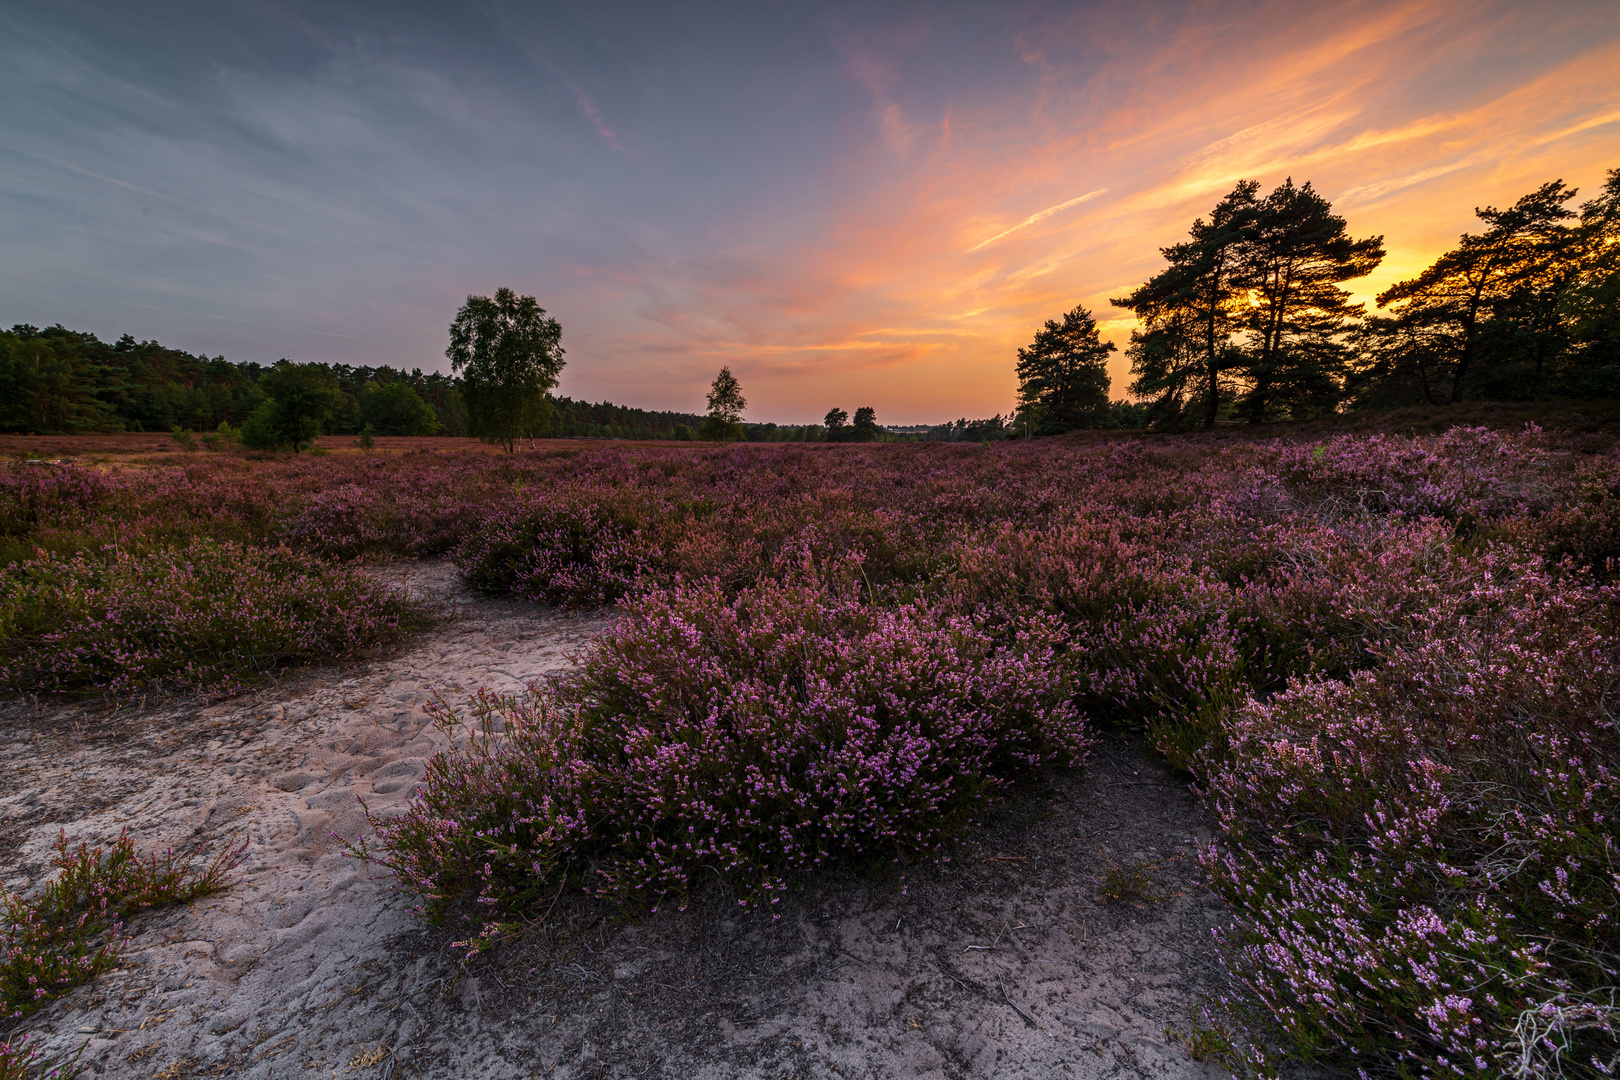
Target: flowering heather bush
point(1467, 473)
point(1382, 658)
point(19, 1060)
point(70, 932)
point(758, 735)
point(203, 615)
point(1423, 857)
point(562, 548)
point(1585, 528)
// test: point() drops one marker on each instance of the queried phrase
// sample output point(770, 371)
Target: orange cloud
point(1407, 115)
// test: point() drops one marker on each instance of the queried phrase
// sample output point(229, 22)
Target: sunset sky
point(849, 204)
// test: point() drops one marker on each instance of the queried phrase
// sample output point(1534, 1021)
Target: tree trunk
point(1467, 356)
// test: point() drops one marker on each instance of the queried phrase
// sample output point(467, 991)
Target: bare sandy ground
point(1004, 961)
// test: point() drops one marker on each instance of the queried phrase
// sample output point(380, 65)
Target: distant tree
point(865, 428)
point(1063, 375)
point(1129, 415)
point(48, 384)
point(509, 353)
point(393, 408)
point(1294, 257)
point(1447, 310)
point(301, 397)
point(837, 424)
point(726, 405)
point(1184, 353)
point(993, 429)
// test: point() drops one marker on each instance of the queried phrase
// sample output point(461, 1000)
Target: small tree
point(509, 353)
point(300, 398)
point(837, 424)
point(726, 404)
point(393, 408)
point(866, 426)
point(1063, 375)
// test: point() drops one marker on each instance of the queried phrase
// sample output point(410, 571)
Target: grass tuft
point(72, 930)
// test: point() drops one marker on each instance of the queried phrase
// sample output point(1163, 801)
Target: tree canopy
point(301, 397)
point(865, 425)
point(393, 408)
point(1250, 318)
point(1063, 375)
point(1294, 258)
point(1497, 291)
point(509, 354)
point(726, 405)
point(1189, 312)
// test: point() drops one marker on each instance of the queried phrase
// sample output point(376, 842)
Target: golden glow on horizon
point(899, 300)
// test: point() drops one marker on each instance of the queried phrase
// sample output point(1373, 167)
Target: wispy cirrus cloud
point(593, 116)
point(940, 319)
point(1040, 215)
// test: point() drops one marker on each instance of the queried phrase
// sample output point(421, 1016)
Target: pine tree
point(1590, 308)
point(1295, 255)
point(1063, 375)
point(1192, 308)
point(1452, 305)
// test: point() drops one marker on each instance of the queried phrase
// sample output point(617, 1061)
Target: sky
point(848, 204)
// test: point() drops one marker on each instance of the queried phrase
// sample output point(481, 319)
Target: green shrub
point(204, 614)
point(70, 932)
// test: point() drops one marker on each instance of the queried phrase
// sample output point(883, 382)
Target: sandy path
point(1002, 962)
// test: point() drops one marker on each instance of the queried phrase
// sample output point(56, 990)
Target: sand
point(1006, 961)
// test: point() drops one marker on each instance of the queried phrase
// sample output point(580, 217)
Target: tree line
point(1250, 321)
point(58, 380)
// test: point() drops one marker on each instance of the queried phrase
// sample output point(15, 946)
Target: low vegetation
point(71, 931)
point(1384, 661)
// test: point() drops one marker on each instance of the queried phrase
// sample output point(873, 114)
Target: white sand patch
point(1002, 962)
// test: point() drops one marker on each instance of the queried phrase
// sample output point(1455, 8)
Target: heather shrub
point(1376, 656)
point(589, 533)
point(208, 614)
point(1465, 475)
point(759, 735)
point(1383, 659)
point(1421, 857)
point(563, 548)
point(1165, 635)
point(20, 1060)
point(1585, 527)
point(71, 931)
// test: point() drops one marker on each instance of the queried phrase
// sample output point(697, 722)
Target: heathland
point(1381, 662)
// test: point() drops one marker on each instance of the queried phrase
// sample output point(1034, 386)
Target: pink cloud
point(593, 116)
point(897, 298)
